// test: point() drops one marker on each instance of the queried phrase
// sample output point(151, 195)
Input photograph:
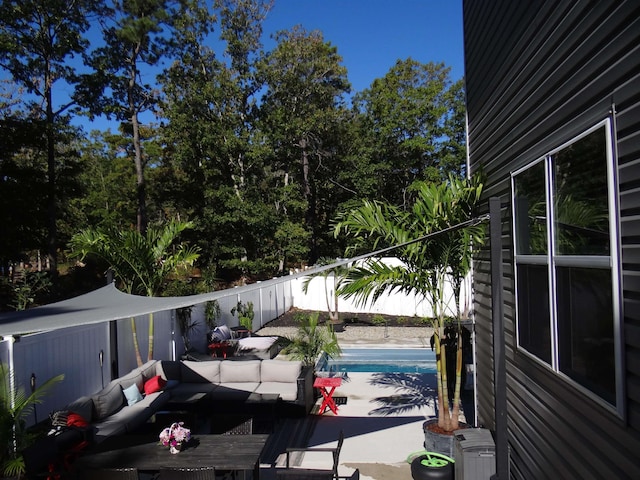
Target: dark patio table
point(222, 452)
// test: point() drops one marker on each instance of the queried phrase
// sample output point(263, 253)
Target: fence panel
point(74, 352)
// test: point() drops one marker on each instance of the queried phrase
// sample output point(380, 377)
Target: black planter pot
point(338, 326)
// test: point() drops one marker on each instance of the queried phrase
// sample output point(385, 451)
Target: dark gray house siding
point(538, 74)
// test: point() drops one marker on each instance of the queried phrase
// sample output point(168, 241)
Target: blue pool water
point(392, 360)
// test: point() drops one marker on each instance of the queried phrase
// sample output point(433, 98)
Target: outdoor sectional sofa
point(122, 406)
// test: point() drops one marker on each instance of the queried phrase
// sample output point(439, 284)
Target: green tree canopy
point(37, 40)
point(303, 114)
point(410, 127)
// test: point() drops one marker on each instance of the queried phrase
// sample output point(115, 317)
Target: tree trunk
point(439, 368)
point(136, 345)
point(141, 220)
point(151, 336)
point(455, 414)
point(446, 413)
point(52, 241)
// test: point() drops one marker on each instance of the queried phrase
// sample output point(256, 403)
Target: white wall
point(392, 304)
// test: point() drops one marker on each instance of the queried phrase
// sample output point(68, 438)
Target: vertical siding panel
point(537, 74)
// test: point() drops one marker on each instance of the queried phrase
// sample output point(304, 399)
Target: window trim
point(551, 259)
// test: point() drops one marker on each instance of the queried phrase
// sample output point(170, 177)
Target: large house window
point(565, 240)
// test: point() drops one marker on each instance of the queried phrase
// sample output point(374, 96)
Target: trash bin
point(474, 454)
point(430, 466)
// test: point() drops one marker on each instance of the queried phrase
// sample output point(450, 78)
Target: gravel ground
point(410, 336)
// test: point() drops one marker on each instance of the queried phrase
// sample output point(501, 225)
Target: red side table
point(328, 385)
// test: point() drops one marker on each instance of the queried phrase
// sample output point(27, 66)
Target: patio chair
point(295, 473)
point(187, 473)
point(109, 474)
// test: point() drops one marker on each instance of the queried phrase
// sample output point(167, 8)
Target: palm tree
point(141, 262)
point(330, 295)
point(311, 340)
point(435, 239)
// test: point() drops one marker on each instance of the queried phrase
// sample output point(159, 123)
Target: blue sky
point(372, 34)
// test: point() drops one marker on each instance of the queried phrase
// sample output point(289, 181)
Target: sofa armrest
point(305, 397)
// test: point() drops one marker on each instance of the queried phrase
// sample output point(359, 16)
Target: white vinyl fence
point(320, 288)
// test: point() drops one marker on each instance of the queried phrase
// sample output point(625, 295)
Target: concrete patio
point(381, 419)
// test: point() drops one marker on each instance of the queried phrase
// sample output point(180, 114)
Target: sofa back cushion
point(200, 372)
point(169, 370)
point(133, 377)
point(83, 406)
point(148, 370)
point(280, 371)
point(239, 371)
point(108, 401)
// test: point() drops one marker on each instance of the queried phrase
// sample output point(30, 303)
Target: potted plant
point(311, 341)
point(15, 406)
point(212, 314)
point(435, 238)
point(245, 315)
point(183, 315)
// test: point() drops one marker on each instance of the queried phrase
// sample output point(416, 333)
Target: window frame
point(552, 259)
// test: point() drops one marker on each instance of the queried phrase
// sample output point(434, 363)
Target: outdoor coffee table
point(240, 453)
point(328, 385)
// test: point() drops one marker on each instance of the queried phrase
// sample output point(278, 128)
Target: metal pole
point(101, 361)
point(499, 363)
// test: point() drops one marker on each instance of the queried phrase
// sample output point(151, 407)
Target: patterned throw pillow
point(59, 418)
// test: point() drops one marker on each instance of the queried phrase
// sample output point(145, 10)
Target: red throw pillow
point(154, 384)
point(75, 420)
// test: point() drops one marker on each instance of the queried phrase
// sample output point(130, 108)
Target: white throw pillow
point(132, 394)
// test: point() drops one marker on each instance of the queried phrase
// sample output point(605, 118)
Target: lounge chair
point(295, 473)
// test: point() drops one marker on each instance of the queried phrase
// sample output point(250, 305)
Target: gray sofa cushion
point(148, 370)
point(186, 389)
point(133, 377)
point(240, 371)
point(131, 417)
point(287, 391)
point(200, 372)
point(169, 370)
point(109, 426)
point(108, 401)
point(280, 371)
point(83, 406)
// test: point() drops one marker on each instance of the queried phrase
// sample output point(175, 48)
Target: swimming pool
point(396, 360)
